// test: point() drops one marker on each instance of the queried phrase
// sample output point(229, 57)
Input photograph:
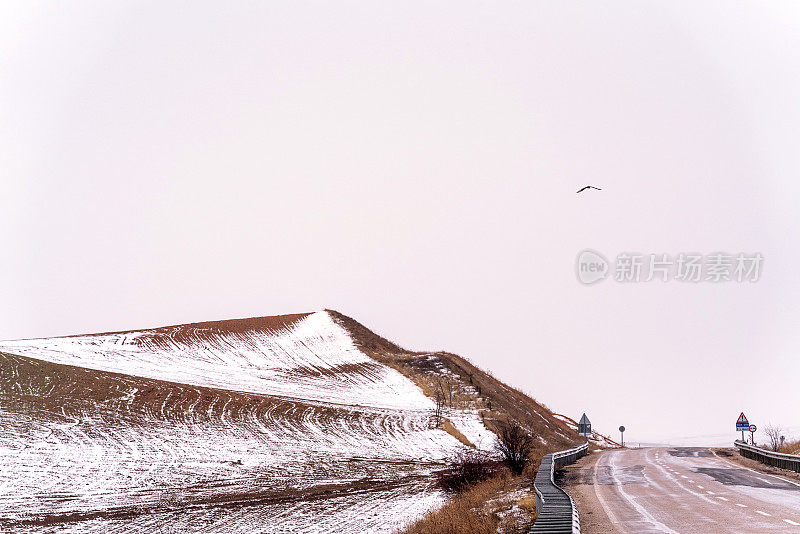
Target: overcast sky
point(414, 165)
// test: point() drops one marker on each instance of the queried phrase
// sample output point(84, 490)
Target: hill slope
point(302, 423)
point(472, 390)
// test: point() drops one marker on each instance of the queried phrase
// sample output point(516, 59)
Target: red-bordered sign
point(742, 418)
point(752, 428)
point(742, 424)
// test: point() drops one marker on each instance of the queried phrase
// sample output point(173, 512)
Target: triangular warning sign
point(742, 418)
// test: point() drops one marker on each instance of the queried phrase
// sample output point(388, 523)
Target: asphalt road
point(679, 490)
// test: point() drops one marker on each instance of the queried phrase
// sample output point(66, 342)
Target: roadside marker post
point(742, 424)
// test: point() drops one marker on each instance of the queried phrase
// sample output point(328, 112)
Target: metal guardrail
point(777, 459)
point(557, 511)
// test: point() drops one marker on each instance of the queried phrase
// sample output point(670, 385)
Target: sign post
point(752, 429)
point(742, 424)
point(585, 427)
point(622, 435)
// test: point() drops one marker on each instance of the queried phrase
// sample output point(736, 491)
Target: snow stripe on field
point(295, 361)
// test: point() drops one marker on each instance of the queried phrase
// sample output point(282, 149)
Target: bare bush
point(439, 400)
point(773, 433)
point(514, 445)
point(467, 468)
point(446, 387)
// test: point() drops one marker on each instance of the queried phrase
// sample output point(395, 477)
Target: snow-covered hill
point(308, 357)
point(278, 424)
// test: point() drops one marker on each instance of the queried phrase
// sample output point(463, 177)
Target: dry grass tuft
point(465, 513)
point(528, 504)
point(448, 427)
point(503, 504)
point(791, 447)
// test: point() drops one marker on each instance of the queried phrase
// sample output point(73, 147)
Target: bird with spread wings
point(584, 188)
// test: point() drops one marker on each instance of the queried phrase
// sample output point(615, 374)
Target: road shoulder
point(578, 480)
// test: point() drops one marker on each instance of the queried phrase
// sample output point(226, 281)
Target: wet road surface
point(682, 490)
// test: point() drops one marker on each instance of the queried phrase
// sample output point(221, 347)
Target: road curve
point(679, 490)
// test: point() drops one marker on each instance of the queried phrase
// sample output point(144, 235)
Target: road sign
point(741, 423)
point(622, 435)
point(752, 428)
point(584, 427)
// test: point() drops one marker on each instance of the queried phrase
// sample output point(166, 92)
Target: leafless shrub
point(773, 433)
point(514, 445)
point(439, 400)
point(467, 468)
point(443, 391)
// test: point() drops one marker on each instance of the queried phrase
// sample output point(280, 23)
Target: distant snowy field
point(284, 430)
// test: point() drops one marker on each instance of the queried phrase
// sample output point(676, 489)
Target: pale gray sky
point(414, 165)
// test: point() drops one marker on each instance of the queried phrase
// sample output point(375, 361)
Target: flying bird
point(584, 188)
